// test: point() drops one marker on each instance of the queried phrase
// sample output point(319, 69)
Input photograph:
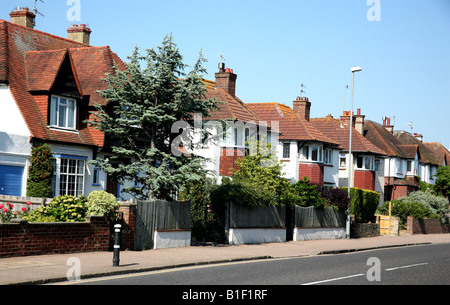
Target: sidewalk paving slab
point(54, 268)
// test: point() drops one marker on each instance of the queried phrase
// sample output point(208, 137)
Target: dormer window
point(63, 112)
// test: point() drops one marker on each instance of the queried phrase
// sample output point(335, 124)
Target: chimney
point(418, 136)
point(359, 121)
point(23, 17)
point(302, 107)
point(81, 34)
point(387, 124)
point(345, 119)
point(226, 80)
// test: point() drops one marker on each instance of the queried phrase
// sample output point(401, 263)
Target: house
point(425, 164)
point(303, 150)
point(441, 154)
point(48, 85)
point(366, 166)
point(228, 143)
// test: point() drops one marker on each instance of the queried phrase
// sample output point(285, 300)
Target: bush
point(244, 193)
point(303, 194)
point(403, 209)
point(334, 196)
point(363, 204)
point(63, 208)
point(40, 173)
point(102, 203)
point(435, 204)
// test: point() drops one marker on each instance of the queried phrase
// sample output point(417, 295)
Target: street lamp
point(350, 161)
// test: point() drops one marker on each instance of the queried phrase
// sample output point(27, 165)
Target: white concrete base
point(172, 239)
point(318, 233)
point(238, 236)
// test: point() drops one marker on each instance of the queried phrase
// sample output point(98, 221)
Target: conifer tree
point(144, 102)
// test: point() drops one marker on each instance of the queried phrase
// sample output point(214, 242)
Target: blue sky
point(274, 46)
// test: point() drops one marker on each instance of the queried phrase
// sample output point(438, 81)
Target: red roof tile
point(340, 133)
point(440, 152)
point(290, 125)
point(30, 61)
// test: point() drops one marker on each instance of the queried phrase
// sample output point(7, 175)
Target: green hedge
point(363, 204)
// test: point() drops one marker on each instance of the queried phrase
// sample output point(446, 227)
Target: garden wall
point(426, 226)
point(313, 224)
point(251, 225)
point(24, 239)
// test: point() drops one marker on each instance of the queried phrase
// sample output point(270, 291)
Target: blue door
point(11, 180)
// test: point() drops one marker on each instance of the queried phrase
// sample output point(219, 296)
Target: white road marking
point(409, 266)
point(335, 279)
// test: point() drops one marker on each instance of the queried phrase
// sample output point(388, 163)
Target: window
point(68, 177)
point(365, 162)
point(286, 150)
point(342, 161)
point(312, 153)
point(63, 112)
point(96, 177)
point(409, 166)
point(328, 156)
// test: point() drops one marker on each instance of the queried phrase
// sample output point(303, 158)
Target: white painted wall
point(15, 147)
point(239, 236)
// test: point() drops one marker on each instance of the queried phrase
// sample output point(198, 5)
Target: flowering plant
point(6, 213)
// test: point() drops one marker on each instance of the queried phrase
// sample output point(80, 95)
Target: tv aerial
point(35, 10)
point(410, 124)
point(301, 90)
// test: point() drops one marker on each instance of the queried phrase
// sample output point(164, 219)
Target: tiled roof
point(30, 61)
point(290, 125)
point(230, 108)
point(383, 139)
point(340, 133)
point(440, 152)
point(426, 155)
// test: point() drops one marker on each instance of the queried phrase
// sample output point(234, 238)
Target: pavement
point(45, 269)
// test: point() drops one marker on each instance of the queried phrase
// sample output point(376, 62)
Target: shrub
point(64, 208)
point(303, 194)
point(403, 209)
point(334, 196)
point(40, 173)
point(244, 193)
point(363, 204)
point(435, 204)
point(102, 203)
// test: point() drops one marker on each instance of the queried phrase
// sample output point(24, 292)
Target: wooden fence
point(161, 224)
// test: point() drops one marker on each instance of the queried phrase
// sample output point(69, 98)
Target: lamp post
point(350, 161)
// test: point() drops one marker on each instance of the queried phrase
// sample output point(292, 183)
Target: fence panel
point(158, 215)
point(309, 217)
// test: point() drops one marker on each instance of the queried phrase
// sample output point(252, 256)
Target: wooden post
point(390, 206)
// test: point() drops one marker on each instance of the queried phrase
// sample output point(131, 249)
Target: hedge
point(363, 204)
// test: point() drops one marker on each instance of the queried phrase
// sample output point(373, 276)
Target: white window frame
point(365, 166)
point(59, 104)
point(307, 151)
point(74, 174)
point(328, 156)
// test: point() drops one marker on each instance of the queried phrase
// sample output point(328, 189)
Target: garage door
point(11, 180)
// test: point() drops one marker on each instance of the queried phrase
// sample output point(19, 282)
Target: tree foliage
point(144, 102)
point(442, 185)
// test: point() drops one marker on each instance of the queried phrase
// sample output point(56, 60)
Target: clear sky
point(403, 47)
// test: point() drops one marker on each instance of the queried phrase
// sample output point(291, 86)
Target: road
point(417, 265)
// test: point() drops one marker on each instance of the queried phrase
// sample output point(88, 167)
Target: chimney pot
point(81, 34)
point(23, 17)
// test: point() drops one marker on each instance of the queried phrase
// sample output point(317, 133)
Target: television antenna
point(410, 124)
point(35, 10)
point(301, 90)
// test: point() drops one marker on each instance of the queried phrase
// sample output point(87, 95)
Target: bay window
point(312, 153)
point(68, 175)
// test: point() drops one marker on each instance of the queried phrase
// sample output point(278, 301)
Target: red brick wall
point(426, 226)
point(128, 225)
point(24, 239)
point(314, 171)
point(228, 157)
point(365, 180)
